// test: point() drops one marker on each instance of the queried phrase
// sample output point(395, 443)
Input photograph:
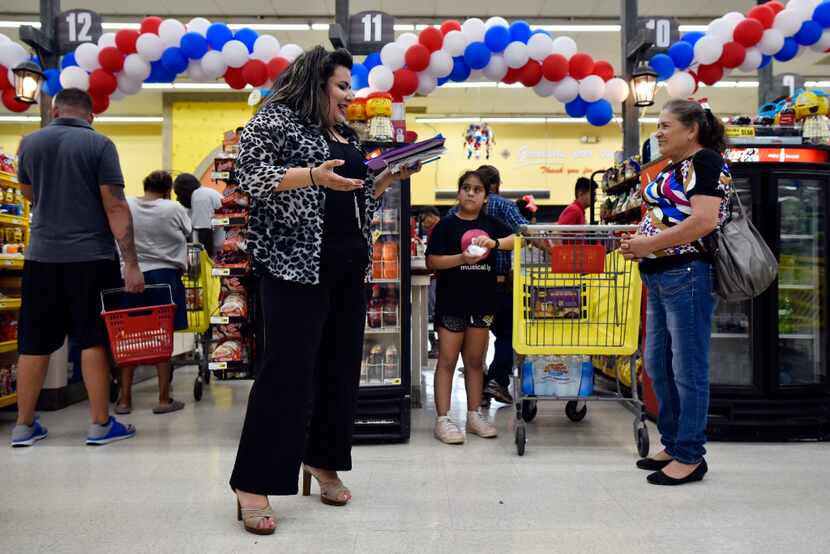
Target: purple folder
point(396, 154)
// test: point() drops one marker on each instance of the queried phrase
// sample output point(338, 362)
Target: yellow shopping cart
point(574, 295)
point(202, 300)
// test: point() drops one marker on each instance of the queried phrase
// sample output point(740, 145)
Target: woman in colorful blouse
point(686, 202)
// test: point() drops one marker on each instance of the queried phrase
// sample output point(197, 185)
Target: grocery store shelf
point(225, 320)
point(798, 237)
point(730, 336)
point(7, 304)
point(791, 286)
point(17, 220)
point(230, 271)
point(622, 186)
point(8, 400)
point(385, 281)
point(628, 215)
point(7, 179)
point(383, 331)
point(228, 221)
point(8, 346)
point(797, 337)
point(10, 261)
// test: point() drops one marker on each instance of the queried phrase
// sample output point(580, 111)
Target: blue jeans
point(501, 368)
point(678, 327)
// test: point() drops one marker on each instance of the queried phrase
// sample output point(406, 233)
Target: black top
point(345, 211)
point(468, 289)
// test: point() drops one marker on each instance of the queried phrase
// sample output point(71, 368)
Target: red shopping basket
point(140, 336)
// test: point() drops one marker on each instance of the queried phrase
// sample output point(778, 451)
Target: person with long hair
point(686, 202)
point(312, 201)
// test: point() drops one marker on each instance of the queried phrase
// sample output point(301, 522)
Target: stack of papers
point(394, 159)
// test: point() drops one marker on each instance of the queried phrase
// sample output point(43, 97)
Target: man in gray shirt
point(72, 176)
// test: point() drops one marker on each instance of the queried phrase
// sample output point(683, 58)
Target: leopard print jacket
point(285, 230)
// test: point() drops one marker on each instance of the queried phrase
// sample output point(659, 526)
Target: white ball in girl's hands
point(476, 250)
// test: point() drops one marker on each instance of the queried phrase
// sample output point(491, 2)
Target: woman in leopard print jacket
point(311, 203)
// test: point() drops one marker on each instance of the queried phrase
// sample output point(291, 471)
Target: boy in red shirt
point(574, 214)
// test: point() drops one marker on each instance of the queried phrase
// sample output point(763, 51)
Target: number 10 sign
point(369, 31)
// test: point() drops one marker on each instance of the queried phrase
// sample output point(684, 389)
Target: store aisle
point(576, 490)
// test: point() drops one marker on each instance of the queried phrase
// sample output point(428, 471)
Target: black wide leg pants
point(302, 404)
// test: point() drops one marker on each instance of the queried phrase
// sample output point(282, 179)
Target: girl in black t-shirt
point(462, 252)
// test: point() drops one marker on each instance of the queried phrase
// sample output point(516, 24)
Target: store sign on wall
point(789, 155)
point(556, 162)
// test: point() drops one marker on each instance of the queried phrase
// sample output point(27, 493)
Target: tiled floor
point(575, 490)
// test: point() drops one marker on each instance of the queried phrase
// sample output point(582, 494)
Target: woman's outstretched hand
point(324, 176)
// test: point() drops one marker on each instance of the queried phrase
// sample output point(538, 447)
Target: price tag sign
point(221, 271)
point(739, 131)
point(217, 365)
point(220, 221)
point(220, 320)
point(369, 31)
point(76, 27)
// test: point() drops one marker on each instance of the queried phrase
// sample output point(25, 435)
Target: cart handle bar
point(122, 289)
point(525, 229)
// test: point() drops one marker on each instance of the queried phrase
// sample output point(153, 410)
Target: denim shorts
point(458, 324)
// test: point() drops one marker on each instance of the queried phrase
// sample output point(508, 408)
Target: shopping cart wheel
point(521, 439)
point(197, 389)
point(642, 441)
point(574, 414)
point(529, 410)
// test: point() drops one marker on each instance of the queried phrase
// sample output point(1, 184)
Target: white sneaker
point(477, 424)
point(447, 431)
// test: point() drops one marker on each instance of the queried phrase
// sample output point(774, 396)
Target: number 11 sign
point(369, 31)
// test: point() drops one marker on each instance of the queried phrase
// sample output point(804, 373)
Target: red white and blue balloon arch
point(119, 64)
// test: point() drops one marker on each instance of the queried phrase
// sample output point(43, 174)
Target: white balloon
point(406, 40)
point(135, 68)
point(107, 40)
point(495, 21)
point(11, 78)
point(804, 8)
point(4, 39)
point(474, 29)
point(455, 42)
point(266, 48)
point(708, 50)
point(12, 54)
point(681, 85)
point(171, 32)
point(771, 42)
point(566, 90)
point(127, 85)
point(291, 52)
point(565, 46)
point(198, 25)
point(87, 56)
point(592, 88)
point(440, 64)
point(823, 43)
point(363, 93)
point(74, 77)
point(496, 69)
point(381, 78)
point(516, 54)
point(235, 53)
point(720, 29)
point(733, 18)
point(616, 90)
point(426, 83)
point(196, 72)
point(544, 88)
point(540, 46)
point(213, 64)
point(788, 21)
point(752, 60)
point(392, 56)
point(149, 47)
point(117, 95)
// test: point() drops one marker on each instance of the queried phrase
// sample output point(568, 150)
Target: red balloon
point(749, 32)
point(417, 57)
point(255, 72)
point(4, 77)
point(512, 75)
point(710, 74)
point(733, 55)
point(555, 67)
point(102, 83)
point(234, 77)
point(762, 13)
point(111, 59)
point(432, 38)
point(100, 103)
point(531, 73)
point(450, 25)
point(13, 104)
point(125, 40)
point(150, 25)
point(406, 83)
point(697, 81)
point(604, 70)
point(580, 66)
point(276, 66)
point(775, 6)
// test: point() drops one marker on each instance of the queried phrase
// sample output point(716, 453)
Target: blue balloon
point(810, 33)
point(247, 37)
point(788, 51)
point(576, 107)
point(442, 80)
point(497, 38)
point(682, 53)
point(692, 37)
point(194, 45)
point(158, 74)
point(460, 70)
point(372, 60)
point(360, 76)
point(520, 31)
point(218, 34)
point(36, 60)
point(599, 113)
point(68, 60)
point(765, 61)
point(52, 82)
point(174, 60)
point(821, 14)
point(477, 55)
point(663, 65)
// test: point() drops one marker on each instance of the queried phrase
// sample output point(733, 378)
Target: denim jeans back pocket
point(676, 280)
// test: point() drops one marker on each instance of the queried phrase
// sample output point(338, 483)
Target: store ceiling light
point(139, 119)
point(527, 120)
point(579, 28)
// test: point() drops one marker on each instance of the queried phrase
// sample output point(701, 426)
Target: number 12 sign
point(76, 27)
point(369, 31)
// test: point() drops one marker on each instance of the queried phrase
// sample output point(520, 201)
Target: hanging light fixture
point(644, 85)
point(27, 81)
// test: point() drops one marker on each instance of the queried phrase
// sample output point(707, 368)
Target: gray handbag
point(744, 264)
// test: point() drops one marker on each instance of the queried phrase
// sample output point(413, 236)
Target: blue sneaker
point(27, 435)
point(111, 432)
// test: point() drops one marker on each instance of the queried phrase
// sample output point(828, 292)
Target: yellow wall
point(139, 148)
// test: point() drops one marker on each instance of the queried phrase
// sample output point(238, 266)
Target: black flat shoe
point(650, 464)
point(660, 478)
